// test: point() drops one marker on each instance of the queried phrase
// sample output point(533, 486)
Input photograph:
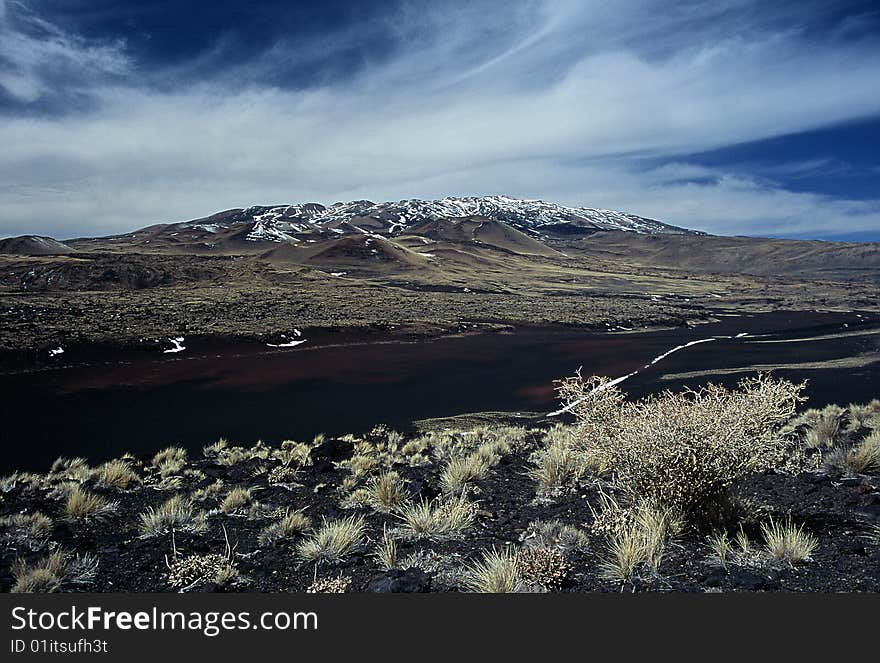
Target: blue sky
point(733, 117)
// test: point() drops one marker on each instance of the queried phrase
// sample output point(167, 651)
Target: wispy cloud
point(37, 57)
point(560, 100)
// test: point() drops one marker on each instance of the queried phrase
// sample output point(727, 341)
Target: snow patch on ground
point(178, 345)
point(290, 344)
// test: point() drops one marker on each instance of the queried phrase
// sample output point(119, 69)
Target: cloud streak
point(578, 102)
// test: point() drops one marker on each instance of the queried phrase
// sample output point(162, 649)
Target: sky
point(735, 117)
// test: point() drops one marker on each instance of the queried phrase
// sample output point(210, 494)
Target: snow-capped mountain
point(281, 223)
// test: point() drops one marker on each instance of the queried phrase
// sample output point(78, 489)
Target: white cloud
point(559, 102)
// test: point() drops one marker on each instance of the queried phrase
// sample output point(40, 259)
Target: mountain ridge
point(282, 223)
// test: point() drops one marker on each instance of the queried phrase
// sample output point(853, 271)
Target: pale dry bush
point(543, 567)
point(187, 572)
point(683, 450)
point(338, 585)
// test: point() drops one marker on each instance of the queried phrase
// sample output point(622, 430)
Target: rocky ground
point(122, 299)
point(249, 519)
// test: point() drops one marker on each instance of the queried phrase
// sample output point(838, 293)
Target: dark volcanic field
point(99, 402)
point(836, 510)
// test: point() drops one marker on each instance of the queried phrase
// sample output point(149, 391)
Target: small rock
point(332, 450)
point(394, 581)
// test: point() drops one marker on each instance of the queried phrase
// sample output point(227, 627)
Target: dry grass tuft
point(640, 541)
point(116, 474)
point(235, 500)
point(824, 426)
point(49, 573)
point(291, 524)
point(788, 542)
point(170, 460)
point(30, 529)
point(437, 519)
point(497, 572)
point(333, 541)
point(82, 505)
point(177, 514)
point(386, 492)
point(720, 544)
point(457, 472)
point(555, 534)
point(386, 550)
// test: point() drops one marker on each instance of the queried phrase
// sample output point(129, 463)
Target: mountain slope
point(481, 231)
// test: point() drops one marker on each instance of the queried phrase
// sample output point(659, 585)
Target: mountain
point(295, 223)
point(33, 245)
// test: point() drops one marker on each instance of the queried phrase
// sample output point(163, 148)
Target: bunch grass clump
point(386, 491)
point(116, 474)
point(458, 472)
point(51, 572)
point(30, 529)
point(438, 519)
point(788, 542)
point(824, 426)
point(178, 514)
point(170, 461)
point(497, 572)
point(235, 500)
point(640, 541)
point(333, 541)
point(564, 460)
point(290, 525)
point(555, 534)
point(73, 469)
point(861, 458)
point(84, 506)
point(386, 550)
